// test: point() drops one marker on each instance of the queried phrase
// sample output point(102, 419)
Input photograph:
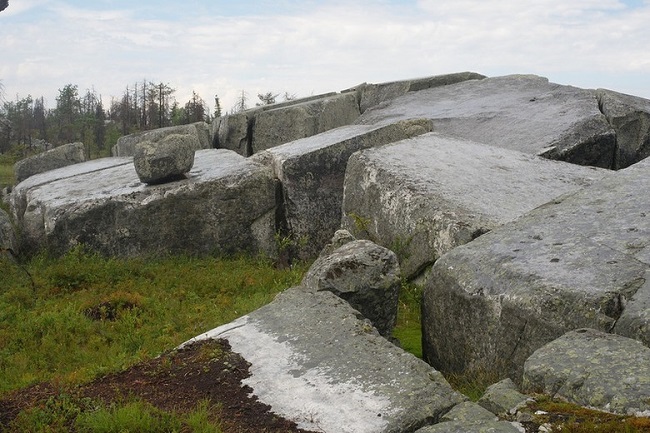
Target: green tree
point(40, 118)
point(195, 110)
point(67, 113)
point(99, 127)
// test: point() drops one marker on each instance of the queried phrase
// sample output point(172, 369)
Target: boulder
point(364, 274)
point(468, 411)
point(7, 232)
point(424, 196)
point(575, 262)
point(234, 133)
point(468, 417)
point(593, 369)
point(374, 94)
point(164, 160)
point(312, 170)
point(58, 157)
point(340, 238)
point(316, 362)
point(275, 126)
point(503, 398)
point(518, 112)
point(630, 118)
point(200, 131)
point(225, 205)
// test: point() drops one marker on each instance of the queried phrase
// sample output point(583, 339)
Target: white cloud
point(331, 46)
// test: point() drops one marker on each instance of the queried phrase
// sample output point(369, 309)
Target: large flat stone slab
point(67, 154)
point(312, 171)
point(275, 126)
point(200, 131)
point(424, 196)
point(577, 262)
point(225, 204)
point(593, 369)
point(315, 361)
point(251, 131)
point(519, 112)
point(374, 94)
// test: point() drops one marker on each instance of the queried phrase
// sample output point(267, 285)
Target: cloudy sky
point(307, 47)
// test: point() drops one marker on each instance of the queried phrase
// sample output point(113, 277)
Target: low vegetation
point(69, 320)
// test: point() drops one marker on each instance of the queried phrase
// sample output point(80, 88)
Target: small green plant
point(288, 247)
point(566, 417)
point(361, 226)
point(400, 247)
point(64, 413)
point(472, 383)
point(57, 414)
point(136, 416)
point(408, 329)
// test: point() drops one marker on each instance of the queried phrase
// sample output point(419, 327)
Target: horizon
point(315, 46)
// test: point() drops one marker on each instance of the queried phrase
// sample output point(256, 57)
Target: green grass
point(64, 413)
point(71, 319)
point(85, 316)
point(7, 162)
point(571, 418)
point(407, 329)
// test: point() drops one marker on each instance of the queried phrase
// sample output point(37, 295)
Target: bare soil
point(176, 381)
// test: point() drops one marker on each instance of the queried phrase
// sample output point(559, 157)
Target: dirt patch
point(176, 381)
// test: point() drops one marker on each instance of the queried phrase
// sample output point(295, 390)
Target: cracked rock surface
point(593, 369)
point(578, 261)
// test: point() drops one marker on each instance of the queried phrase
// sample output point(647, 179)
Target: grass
point(407, 329)
point(7, 162)
point(65, 413)
point(570, 418)
point(85, 316)
point(71, 319)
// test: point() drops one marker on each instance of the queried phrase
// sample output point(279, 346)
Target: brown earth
point(176, 381)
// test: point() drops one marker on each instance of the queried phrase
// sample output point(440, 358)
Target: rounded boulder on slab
point(364, 274)
point(166, 159)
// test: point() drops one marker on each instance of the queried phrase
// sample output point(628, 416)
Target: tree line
point(28, 125)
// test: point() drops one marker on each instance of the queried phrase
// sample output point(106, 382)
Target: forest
point(28, 126)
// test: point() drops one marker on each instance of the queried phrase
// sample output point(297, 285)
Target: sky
point(315, 46)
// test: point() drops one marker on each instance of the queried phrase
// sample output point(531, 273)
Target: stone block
point(424, 196)
point(319, 364)
point(62, 156)
point(275, 126)
point(518, 112)
point(225, 205)
point(576, 262)
point(312, 170)
point(630, 118)
point(375, 94)
point(593, 369)
point(200, 130)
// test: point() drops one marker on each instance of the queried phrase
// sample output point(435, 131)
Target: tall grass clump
point(76, 317)
point(408, 329)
